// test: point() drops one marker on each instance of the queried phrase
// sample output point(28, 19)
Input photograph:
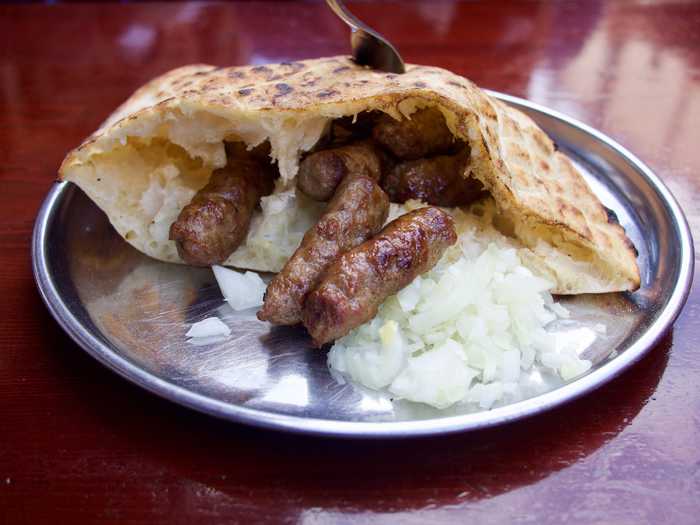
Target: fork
point(369, 48)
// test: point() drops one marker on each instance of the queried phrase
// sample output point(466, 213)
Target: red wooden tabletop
point(78, 443)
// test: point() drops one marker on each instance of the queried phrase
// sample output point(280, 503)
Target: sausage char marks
point(437, 180)
point(424, 133)
point(216, 220)
point(361, 279)
point(358, 210)
point(321, 171)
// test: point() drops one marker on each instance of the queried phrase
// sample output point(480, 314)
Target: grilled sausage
point(356, 212)
point(321, 172)
point(424, 133)
point(353, 128)
point(356, 284)
point(437, 180)
point(216, 221)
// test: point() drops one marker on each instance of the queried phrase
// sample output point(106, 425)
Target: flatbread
point(155, 151)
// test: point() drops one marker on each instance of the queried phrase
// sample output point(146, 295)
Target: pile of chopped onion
point(465, 332)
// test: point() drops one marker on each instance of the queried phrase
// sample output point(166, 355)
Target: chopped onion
point(207, 341)
point(241, 290)
point(209, 327)
point(385, 358)
point(438, 378)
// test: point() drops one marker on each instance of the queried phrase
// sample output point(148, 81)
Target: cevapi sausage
point(356, 284)
point(423, 133)
point(437, 180)
point(356, 212)
point(321, 171)
point(353, 128)
point(216, 221)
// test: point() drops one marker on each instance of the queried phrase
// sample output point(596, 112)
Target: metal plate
point(131, 312)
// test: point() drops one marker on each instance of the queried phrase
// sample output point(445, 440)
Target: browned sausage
point(356, 284)
point(321, 172)
point(356, 212)
point(437, 180)
point(353, 128)
point(216, 221)
point(424, 133)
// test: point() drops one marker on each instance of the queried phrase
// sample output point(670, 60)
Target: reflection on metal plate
point(132, 312)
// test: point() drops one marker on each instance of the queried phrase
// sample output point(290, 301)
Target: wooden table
point(77, 443)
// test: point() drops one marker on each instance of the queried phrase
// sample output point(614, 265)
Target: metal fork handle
point(369, 48)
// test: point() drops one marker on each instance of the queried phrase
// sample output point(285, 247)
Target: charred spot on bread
point(612, 216)
point(283, 89)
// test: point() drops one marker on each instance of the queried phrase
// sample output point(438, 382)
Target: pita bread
point(155, 151)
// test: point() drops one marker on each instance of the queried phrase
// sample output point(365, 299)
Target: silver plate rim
point(401, 429)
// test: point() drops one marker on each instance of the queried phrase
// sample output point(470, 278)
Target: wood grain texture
point(77, 443)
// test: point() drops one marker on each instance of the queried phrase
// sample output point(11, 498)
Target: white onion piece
point(209, 327)
point(207, 341)
point(241, 290)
